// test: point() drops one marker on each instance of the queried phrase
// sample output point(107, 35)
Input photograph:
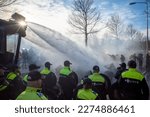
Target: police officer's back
point(113, 92)
point(132, 84)
point(14, 78)
point(4, 92)
point(33, 90)
point(98, 82)
point(32, 68)
point(120, 69)
point(67, 80)
point(49, 82)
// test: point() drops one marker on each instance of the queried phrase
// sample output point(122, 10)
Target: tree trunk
point(86, 39)
point(86, 33)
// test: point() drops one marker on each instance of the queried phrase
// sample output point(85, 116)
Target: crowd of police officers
point(43, 85)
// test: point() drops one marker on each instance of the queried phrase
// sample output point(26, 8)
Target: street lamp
point(147, 40)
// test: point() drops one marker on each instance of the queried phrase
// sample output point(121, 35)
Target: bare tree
point(84, 18)
point(141, 40)
point(114, 25)
point(4, 3)
point(139, 36)
point(131, 32)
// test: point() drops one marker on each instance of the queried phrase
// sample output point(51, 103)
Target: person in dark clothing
point(33, 89)
point(120, 69)
point(49, 82)
point(99, 82)
point(113, 93)
point(68, 80)
point(16, 85)
point(132, 84)
point(107, 83)
point(32, 68)
point(4, 92)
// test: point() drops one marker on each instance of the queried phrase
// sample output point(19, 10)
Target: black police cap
point(33, 76)
point(96, 68)
point(67, 63)
point(87, 81)
point(132, 64)
point(48, 64)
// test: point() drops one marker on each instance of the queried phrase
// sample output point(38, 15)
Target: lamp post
point(147, 36)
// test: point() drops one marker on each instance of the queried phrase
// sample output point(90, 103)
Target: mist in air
point(48, 38)
point(44, 44)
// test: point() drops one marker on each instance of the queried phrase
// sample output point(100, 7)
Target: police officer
point(132, 84)
point(67, 80)
point(98, 82)
point(120, 69)
point(4, 92)
point(33, 90)
point(16, 85)
point(66, 70)
point(46, 71)
point(49, 82)
point(32, 68)
point(86, 93)
point(113, 92)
